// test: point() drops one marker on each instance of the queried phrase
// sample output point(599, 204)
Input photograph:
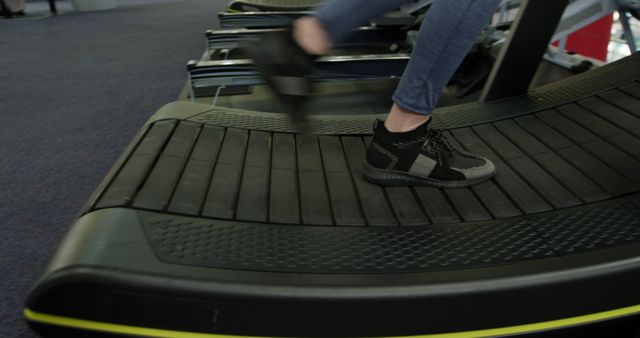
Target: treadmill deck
point(577, 154)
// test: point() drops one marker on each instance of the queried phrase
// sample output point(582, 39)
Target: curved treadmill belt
point(225, 221)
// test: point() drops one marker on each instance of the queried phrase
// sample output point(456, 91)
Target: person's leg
point(335, 20)
point(285, 58)
point(447, 34)
point(404, 151)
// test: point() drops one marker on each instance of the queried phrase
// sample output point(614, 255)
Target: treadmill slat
point(495, 201)
point(192, 188)
point(159, 186)
point(284, 205)
point(131, 176)
point(580, 159)
point(521, 138)
point(497, 142)
point(372, 199)
point(566, 127)
point(621, 162)
point(538, 178)
point(468, 206)
point(627, 99)
point(611, 156)
point(560, 169)
point(521, 193)
point(436, 205)
point(314, 198)
point(223, 191)
point(607, 131)
point(611, 113)
point(572, 178)
point(599, 172)
point(253, 201)
point(466, 138)
point(543, 132)
point(632, 89)
point(344, 203)
point(405, 206)
point(589, 121)
point(628, 143)
point(544, 183)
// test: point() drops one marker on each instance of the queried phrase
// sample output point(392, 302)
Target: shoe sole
point(388, 177)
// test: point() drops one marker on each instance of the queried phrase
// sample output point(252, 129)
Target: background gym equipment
point(235, 74)
point(222, 43)
point(217, 221)
point(273, 6)
point(282, 13)
point(207, 76)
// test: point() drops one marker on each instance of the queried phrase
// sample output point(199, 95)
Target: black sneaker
point(286, 68)
point(422, 157)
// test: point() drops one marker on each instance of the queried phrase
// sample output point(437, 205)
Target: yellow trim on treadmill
point(158, 333)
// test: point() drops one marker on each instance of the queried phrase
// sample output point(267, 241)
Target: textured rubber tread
point(632, 89)
point(467, 205)
point(126, 183)
point(223, 191)
point(493, 199)
point(314, 197)
point(192, 188)
point(253, 199)
point(570, 177)
point(331, 249)
point(609, 112)
point(583, 150)
point(344, 202)
point(543, 182)
point(436, 205)
point(522, 194)
point(284, 202)
point(374, 204)
point(159, 186)
point(405, 207)
point(626, 98)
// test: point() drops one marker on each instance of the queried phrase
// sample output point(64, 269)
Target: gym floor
point(74, 89)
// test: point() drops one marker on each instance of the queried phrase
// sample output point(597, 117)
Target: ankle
point(401, 120)
point(311, 36)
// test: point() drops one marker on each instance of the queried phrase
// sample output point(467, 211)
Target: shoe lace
point(440, 145)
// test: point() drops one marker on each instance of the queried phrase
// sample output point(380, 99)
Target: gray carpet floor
point(74, 89)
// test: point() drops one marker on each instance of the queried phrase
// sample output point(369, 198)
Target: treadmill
point(221, 222)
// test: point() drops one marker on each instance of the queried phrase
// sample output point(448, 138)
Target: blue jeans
point(450, 29)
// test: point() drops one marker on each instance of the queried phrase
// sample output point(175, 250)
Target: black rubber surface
point(578, 153)
point(412, 249)
point(222, 219)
